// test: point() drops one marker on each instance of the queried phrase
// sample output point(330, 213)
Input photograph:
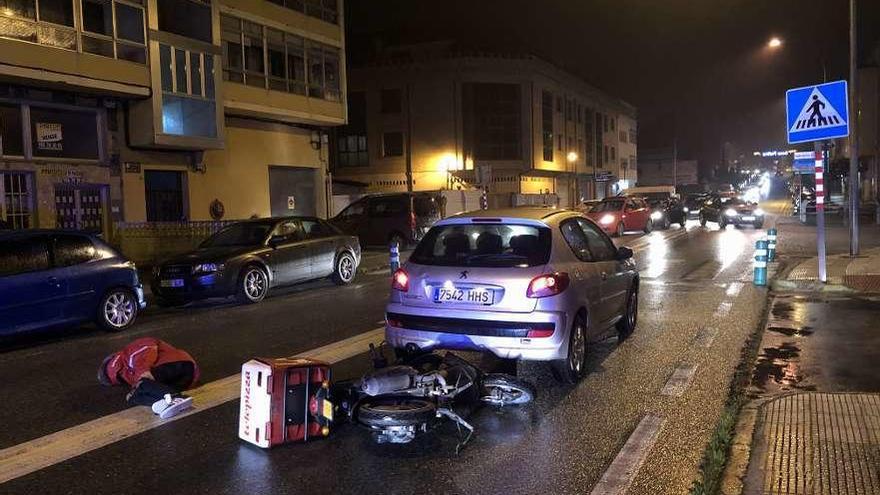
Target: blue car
point(53, 278)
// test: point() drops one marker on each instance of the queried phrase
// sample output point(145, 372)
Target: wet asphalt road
point(697, 309)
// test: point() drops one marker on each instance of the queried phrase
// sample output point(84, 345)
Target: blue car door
point(74, 258)
point(32, 295)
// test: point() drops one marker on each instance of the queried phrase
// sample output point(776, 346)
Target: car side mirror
point(624, 253)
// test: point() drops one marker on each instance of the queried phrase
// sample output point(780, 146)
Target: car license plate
point(464, 296)
point(748, 219)
point(173, 282)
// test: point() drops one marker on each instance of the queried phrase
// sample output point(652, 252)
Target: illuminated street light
point(774, 42)
point(572, 156)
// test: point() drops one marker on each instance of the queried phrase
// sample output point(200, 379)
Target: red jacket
point(142, 356)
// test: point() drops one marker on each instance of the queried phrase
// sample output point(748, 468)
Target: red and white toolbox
point(284, 400)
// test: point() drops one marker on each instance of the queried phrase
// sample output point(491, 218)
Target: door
point(32, 295)
point(587, 274)
point(292, 191)
point(17, 199)
point(615, 280)
point(71, 255)
point(291, 253)
point(322, 243)
point(80, 207)
point(165, 198)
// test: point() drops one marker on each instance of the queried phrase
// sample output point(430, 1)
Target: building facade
point(166, 110)
point(660, 167)
point(429, 118)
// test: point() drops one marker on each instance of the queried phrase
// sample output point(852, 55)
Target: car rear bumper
point(139, 294)
point(503, 334)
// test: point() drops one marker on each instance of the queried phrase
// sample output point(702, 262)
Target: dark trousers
point(169, 378)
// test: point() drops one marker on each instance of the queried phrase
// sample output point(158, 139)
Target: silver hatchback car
point(524, 283)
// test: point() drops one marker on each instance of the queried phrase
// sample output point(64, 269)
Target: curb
point(808, 286)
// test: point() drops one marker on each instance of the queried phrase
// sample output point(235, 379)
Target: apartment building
point(428, 117)
point(166, 110)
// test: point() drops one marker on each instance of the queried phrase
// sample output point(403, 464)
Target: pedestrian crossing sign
point(815, 113)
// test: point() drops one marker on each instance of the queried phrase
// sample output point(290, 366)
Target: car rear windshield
point(240, 234)
point(608, 206)
point(484, 245)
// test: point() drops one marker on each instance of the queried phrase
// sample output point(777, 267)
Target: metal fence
point(147, 243)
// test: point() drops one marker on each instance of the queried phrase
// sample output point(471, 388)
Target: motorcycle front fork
point(459, 422)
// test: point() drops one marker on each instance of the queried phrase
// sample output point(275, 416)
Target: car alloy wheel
point(578, 351)
point(620, 229)
point(345, 269)
point(255, 284)
point(118, 310)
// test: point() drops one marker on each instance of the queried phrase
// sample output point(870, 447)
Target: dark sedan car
point(665, 212)
point(249, 258)
point(53, 278)
point(732, 211)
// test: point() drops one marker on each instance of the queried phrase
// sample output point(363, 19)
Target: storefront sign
point(605, 175)
point(49, 136)
point(132, 167)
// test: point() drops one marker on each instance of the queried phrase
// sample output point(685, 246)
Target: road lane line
point(679, 381)
point(620, 474)
point(40, 453)
point(733, 289)
point(706, 337)
point(723, 309)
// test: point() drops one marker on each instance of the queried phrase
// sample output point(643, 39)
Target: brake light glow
point(540, 333)
point(548, 285)
point(400, 280)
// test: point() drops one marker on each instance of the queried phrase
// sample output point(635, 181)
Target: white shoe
point(161, 404)
point(176, 406)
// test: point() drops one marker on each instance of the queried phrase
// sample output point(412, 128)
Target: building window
point(613, 154)
point(59, 133)
point(598, 126)
point(246, 45)
point(188, 18)
point(632, 136)
point(326, 10)
point(110, 28)
point(559, 104)
point(17, 199)
point(491, 118)
point(580, 114)
point(622, 136)
point(605, 126)
point(11, 138)
point(392, 144)
point(547, 124)
point(606, 155)
point(164, 196)
point(188, 101)
point(352, 138)
point(613, 123)
point(391, 100)
point(559, 142)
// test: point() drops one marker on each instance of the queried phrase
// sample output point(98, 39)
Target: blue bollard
point(771, 244)
point(761, 263)
point(395, 257)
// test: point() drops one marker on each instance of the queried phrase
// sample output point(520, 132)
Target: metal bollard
point(771, 244)
point(761, 263)
point(395, 257)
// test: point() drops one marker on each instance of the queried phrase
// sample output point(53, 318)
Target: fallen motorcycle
point(401, 401)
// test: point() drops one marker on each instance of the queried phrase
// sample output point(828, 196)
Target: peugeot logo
point(463, 275)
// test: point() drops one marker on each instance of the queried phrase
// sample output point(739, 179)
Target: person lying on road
point(157, 373)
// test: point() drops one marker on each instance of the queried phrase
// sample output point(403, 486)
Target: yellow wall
point(260, 102)
point(238, 175)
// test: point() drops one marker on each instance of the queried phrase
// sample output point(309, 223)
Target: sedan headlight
point(207, 268)
point(656, 215)
point(730, 212)
point(686, 209)
point(759, 212)
point(608, 218)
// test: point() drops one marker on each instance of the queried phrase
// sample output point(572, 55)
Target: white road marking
point(733, 289)
point(40, 453)
point(679, 381)
point(620, 474)
point(723, 309)
point(706, 337)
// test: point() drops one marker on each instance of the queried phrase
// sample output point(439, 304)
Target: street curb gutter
point(808, 286)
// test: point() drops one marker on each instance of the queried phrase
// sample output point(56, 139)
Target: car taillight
point(548, 285)
point(400, 280)
point(538, 333)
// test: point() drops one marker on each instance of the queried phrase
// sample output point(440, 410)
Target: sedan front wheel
point(253, 285)
point(345, 270)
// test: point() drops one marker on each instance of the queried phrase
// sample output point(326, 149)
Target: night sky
point(698, 69)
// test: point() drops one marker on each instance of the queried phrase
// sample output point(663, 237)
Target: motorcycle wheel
point(382, 412)
point(505, 390)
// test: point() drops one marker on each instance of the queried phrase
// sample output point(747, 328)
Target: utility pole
point(854, 196)
point(408, 141)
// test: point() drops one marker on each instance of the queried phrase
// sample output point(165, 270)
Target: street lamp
point(572, 157)
point(774, 42)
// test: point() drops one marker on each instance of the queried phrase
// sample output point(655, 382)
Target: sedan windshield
point(240, 234)
point(492, 245)
point(615, 205)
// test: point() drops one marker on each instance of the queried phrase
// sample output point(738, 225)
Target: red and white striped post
point(821, 162)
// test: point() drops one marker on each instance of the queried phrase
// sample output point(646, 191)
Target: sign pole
point(821, 163)
point(854, 195)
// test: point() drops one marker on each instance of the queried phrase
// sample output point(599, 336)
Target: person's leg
point(177, 375)
point(147, 392)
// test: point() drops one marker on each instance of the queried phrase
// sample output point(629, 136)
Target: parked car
point(587, 205)
point(619, 214)
point(248, 259)
point(523, 283)
point(383, 219)
point(54, 278)
point(732, 211)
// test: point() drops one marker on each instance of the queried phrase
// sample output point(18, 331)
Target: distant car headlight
point(759, 212)
point(686, 209)
point(207, 268)
point(730, 212)
point(605, 220)
point(656, 215)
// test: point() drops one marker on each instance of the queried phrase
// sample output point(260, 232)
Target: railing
point(147, 243)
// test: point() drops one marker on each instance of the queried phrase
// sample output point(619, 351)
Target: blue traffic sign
point(815, 113)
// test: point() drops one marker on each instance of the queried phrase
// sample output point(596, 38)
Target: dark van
point(385, 218)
